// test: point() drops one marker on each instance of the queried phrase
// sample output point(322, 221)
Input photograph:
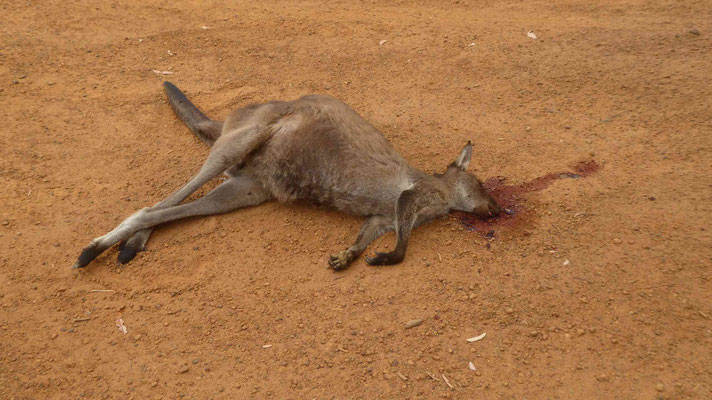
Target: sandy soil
point(600, 289)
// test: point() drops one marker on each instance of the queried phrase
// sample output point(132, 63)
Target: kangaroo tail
point(204, 128)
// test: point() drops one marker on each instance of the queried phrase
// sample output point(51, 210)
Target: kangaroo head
point(467, 192)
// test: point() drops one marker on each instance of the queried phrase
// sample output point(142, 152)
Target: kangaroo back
point(204, 128)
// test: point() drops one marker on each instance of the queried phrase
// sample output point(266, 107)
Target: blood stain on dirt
point(510, 198)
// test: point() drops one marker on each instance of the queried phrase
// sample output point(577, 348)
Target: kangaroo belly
point(323, 152)
point(326, 171)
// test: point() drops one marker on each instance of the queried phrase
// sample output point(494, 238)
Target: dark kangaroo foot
point(127, 251)
point(88, 254)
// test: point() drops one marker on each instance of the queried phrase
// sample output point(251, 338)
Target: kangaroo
point(315, 149)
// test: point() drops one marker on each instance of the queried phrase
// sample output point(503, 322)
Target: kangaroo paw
point(385, 258)
point(341, 260)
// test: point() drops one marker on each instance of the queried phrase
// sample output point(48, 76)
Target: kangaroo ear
point(463, 160)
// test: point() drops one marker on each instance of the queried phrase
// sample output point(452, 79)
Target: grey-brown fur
point(314, 149)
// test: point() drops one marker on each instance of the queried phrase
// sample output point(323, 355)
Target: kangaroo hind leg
point(230, 149)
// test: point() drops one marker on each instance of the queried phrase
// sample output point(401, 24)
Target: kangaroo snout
point(488, 210)
point(495, 209)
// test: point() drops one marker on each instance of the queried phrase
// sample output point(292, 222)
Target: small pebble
point(659, 387)
point(694, 31)
point(184, 369)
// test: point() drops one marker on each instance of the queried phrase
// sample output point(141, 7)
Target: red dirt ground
point(88, 138)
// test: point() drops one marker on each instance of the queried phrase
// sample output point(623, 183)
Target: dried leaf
point(447, 381)
point(413, 323)
point(162, 72)
point(567, 262)
point(476, 338)
point(382, 42)
point(531, 34)
point(472, 366)
point(267, 346)
point(121, 326)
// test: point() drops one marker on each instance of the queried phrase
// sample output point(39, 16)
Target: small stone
point(660, 387)
point(602, 378)
point(5, 222)
point(509, 310)
point(195, 361)
point(184, 369)
point(617, 241)
point(694, 31)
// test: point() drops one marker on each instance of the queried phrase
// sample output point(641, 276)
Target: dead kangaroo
point(314, 149)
